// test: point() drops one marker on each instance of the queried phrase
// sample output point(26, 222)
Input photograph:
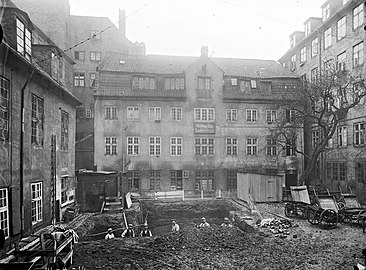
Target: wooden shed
point(262, 187)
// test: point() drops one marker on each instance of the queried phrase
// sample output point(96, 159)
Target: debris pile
point(279, 227)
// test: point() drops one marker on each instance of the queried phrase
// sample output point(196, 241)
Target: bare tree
point(320, 105)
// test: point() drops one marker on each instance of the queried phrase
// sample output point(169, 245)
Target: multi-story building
point(190, 123)
point(86, 40)
point(338, 40)
point(37, 125)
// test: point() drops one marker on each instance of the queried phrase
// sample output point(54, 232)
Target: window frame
point(271, 116)
point(65, 119)
point(231, 115)
point(78, 54)
point(359, 53)
point(341, 28)
point(155, 180)
point(154, 113)
point(204, 146)
point(359, 134)
point(79, 79)
point(176, 146)
point(204, 114)
point(4, 108)
point(271, 146)
point(37, 117)
point(251, 115)
point(95, 56)
point(327, 36)
point(314, 47)
point(133, 145)
point(36, 202)
point(4, 211)
point(154, 145)
point(342, 136)
point(303, 55)
point(23, 39)
point(231, 146)
point(110, 148)
point(64, 189)
point(176, 113)
point(134, 114)
point(358, 17)
point(252, 146)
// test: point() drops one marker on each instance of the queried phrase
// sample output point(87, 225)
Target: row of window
point(357, 57)
point(342, 136)
point(37, 117)
point(337, 171)
point(203, 146)
point(93, 55)
point(79, 79)
point(204, 180)
point(200, 114)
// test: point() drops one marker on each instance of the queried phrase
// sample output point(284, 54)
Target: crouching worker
point(204, 223)
point(109, 235)
point(226, 223)
point(175, 226)
point(129, 232)
point(145, 232)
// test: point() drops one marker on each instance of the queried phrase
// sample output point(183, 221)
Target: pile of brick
point(279, 227)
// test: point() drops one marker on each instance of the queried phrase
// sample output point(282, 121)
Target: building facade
point(37, 125)
point(86, 40)
point(335, 40)
point(171, 123)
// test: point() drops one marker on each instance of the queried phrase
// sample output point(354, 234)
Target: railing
point(188, 194)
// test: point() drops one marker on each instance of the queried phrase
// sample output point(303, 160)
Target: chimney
point(122, 22)
point(204, 51)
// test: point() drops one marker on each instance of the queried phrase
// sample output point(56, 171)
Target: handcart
point(325, 212)
point(300, 200)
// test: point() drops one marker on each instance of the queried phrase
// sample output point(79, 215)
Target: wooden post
point(201, 194)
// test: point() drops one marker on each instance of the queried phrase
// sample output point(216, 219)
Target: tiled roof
point(164, 64)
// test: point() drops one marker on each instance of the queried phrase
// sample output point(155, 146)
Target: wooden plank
point(67, 257)
point(63, 244)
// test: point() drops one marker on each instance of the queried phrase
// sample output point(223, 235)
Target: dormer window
point(140, 82)
point(253, 84)
point(24, 40)
point(307, 28)
point(234, 81)
point(326, 12)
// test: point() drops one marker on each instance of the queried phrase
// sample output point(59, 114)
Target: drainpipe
point(21, 153)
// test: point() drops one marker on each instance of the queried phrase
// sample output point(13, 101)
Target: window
point(342, 136)
point(358, 16)
point(204, 87)
point(37, 208)
point(303, 55)
point(341, 28)
point(55, 67)
point(95, 56)
point(359, 133)
point(336, 171)
point(92, 79)
point(110, 146)
point(361, 171)
point(204, 180)
point(64, 130)
point(253, 84)
point(174, 83)
point(154, 180)
point(133, 146)
point(314, 47)
point(64, 189)
point(4, 108)
point(307, 28)
point(176, 113)
point(290, 147)
point(143, 83)
point(325, 12)
point(290, 115)
point(244, 86)
point(328, 38)
point(176, 180)
point(79, 79)
point(251, 115)
point(314, 75)
point(176, 146)
point(88, 113)
point(341, 61)
point(231, 179)
point(252, 146)
point(4, 211)
point(204, 146)
point(133, 179)
point(37, 120)
point(328, 66)
point(204, 114)
point(271, 147)
point(315, 138)
point(110, 112)
point(95, 34)
point(234, 81)
point(155, 113)
point(271, 116)
point(133, 113)
point(358, 54)
point(293, 62)
point(80, 55)
point(231, 115)
point(231, 146)
point(154, 146)
point(24, 40)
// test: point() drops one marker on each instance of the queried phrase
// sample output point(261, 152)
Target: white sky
point(255, 29)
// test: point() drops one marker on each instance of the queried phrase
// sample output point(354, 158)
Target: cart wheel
point(360, 219)
point(289, 209)
point(302, 212)
point(313, 217)
point(345, 219)
point(330, 218)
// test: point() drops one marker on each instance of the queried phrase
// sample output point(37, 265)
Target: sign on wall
point(204, 128)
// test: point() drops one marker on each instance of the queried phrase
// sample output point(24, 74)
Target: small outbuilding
point(94, 186)
point(261, 187)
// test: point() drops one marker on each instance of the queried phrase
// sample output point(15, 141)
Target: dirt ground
point(305, 247)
